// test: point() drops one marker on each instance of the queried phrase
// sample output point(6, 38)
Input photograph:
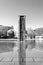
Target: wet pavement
point(9, 53)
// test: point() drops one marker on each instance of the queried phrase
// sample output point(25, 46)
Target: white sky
point(11, 9)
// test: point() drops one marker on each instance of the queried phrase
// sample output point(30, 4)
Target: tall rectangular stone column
point(22, 51)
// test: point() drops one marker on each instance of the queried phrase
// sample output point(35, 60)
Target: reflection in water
point(6, 46)
point(39, 44)
point(30, 44)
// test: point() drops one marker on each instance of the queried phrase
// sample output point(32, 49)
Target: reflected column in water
point(30, 44)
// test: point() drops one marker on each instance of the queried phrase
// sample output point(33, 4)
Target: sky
point(11, 9)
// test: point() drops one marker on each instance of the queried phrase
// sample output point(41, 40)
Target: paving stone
point(34, 63)
point(7, 59)
point(15, 59)
point(1, 59)
point(38, 59)
point(6, 63)
point(29, 59)
point(15, 63)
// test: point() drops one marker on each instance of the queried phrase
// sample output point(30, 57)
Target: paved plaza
point(33, 57)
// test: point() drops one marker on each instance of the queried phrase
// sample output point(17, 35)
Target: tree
point(10, 33)
point(31, 33)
